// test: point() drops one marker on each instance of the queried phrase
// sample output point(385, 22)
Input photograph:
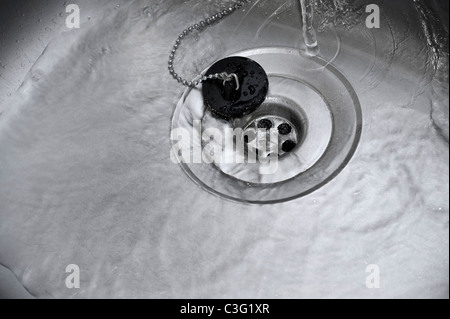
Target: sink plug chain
point(202, 25)
point(229, 77)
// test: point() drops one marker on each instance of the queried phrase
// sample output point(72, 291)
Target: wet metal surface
point(86, 175)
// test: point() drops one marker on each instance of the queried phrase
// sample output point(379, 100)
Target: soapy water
point(86, 176)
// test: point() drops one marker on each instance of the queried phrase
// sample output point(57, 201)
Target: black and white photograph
point(224, 156)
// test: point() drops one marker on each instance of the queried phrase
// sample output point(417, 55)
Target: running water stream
point(309, 33)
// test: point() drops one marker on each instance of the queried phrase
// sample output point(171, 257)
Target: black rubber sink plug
point(229, 99)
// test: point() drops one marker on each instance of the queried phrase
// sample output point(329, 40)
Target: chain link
point(201, 26)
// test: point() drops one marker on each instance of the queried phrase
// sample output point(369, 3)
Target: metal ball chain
point(200, 26)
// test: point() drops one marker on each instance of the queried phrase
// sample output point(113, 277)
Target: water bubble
point(147, 10)
point(36, 77)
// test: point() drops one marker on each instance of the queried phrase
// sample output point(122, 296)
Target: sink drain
point(306, 130)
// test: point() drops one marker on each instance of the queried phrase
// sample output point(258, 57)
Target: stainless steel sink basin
point(86, 176)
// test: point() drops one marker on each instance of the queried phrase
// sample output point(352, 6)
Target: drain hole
point(284, 129)
point(288, 121)
point(265, 124)
point(288, 146)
